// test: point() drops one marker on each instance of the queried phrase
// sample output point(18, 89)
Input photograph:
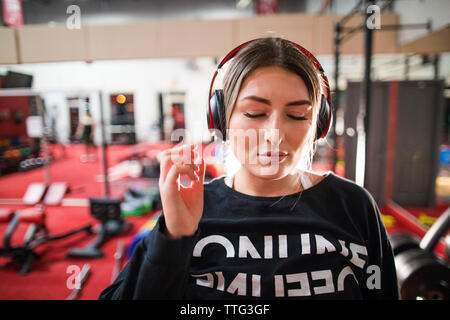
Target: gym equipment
point(138, 202)
point(107, 211)
point(437, 230)
point(216, 105)
point(420, 273)
point(31, 163)
point(403, 241)
point(81, 279)
point(34, 193)
point(52, 194)
point(150, 168)
point(388, 221)
point(422, 276)
point(427, 220)
point(447, 246)
point(55, 193)
point(135, 207)
point(36, 235)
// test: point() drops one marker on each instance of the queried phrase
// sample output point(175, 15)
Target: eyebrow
point(265, 101)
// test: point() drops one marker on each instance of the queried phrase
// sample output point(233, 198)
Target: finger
point(200, 170)
point(165, 164)
point(181, 154)
point(176, 170)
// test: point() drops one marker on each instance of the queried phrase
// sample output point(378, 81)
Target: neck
point(247, 183)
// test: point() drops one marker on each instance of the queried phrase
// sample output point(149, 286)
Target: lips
point(274, 154)
point(272, 157)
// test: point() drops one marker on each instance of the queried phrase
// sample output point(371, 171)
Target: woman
point(271, 230)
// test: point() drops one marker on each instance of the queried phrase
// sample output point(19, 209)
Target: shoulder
point(357, 206)
point(215, 198)
point(348, 189)
point(215, 187)
point(214, 183)
point(358, 200)
point(350, 199)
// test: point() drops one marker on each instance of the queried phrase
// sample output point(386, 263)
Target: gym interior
point(91, 92)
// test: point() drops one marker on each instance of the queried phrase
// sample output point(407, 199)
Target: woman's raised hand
point(182, 206)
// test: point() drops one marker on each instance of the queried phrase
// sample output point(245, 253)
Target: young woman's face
point(270, 121)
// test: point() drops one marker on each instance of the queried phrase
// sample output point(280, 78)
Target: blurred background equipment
point(36, 235)
point(107, 211)
point(421, 274)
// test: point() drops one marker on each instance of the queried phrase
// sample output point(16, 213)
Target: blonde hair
point(281, 53)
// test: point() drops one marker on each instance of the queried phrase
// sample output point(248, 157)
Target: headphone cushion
point(324, 118)
point(218, 112)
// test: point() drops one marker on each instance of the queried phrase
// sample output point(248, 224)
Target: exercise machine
point(138, 202)
point(36, 235)
point(107, 211)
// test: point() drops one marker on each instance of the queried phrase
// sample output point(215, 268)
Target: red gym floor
point(48, 278)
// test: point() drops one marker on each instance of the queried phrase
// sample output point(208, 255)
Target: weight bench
point(36, 234)
point(6, 215)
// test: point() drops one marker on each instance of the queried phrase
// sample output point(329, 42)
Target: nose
point(273, 131)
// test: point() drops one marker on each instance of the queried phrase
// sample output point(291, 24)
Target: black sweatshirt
point(326, 242)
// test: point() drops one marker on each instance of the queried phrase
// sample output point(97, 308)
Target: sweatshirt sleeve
point(158, 268)
point(380, 272)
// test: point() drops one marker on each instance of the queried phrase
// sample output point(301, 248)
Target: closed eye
point(297, 117)
point(258, 115)
point(250, 115)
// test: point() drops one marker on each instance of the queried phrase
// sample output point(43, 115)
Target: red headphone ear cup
point(325, 118)
point(217, 114)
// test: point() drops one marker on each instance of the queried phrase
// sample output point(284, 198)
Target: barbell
point(420, 273)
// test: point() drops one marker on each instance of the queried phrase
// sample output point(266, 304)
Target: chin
point(273, 172)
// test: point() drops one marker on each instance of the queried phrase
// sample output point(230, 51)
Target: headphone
point(216, 106)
